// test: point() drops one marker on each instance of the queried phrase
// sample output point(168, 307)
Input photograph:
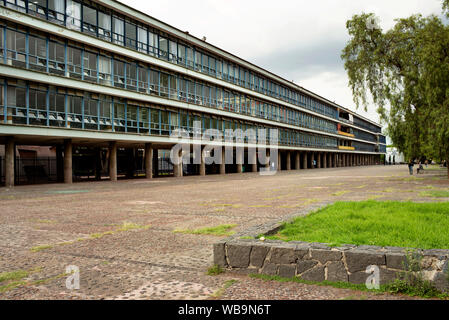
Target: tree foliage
point(405, 71)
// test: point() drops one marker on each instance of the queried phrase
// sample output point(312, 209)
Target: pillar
point(223, 162)
point(304, 160)
point(98, 166)
point(253, 159)
point(334, 160)
point(324, 160)
point(312, 159)
point(59, 164)
point(113, 160)
point(156, 162)
point(318, 161)
point(148, 160)
point(239, 159)
point(297, 160)
point(203, 162)
point(9, 162)
point(279, 161)
point(289, 160)
point(68, 155)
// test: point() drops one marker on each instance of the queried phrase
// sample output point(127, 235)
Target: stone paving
point(121, 235)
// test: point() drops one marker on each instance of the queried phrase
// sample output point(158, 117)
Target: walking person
point(411, 164)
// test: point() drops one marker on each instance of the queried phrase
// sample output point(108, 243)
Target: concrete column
point(68, 155)
point(253, 160)
point(59, 164)
point(312, 158)
point(148, 160)
point(203, 162)
point(156, 162)
point(289, 160)
point(9, 163)
point(113, 160)
point(223, 162)
point(279, 160)
point(98, 164)
point(304, 160)
point(318, 161)
point(297, 160)
point(325, 160)
point(334, 160)
point(239, 154)
point(268, 159)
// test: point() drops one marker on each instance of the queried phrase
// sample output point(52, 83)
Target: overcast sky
point(299, 40)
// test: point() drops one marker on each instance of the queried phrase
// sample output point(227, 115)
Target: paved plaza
point(121, 235)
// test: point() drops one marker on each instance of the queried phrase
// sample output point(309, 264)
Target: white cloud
point(299, 40)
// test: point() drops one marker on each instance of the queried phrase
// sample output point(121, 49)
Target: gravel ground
point(121, 235)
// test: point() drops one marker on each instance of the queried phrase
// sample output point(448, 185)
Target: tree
point(405, 71)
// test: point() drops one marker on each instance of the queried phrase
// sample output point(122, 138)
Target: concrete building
point(106, 85)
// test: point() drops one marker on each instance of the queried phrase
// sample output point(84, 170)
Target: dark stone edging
point(320, 262)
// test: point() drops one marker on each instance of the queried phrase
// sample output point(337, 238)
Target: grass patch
point(389, 223)
point(223, 230)
point(435, 194)
point(40, 248)
point(215, 270)
point(226, 285)
point(14, 275)
point(397, 287)
point(340, 193)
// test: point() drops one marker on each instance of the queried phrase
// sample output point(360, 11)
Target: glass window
point(131, 35)
point(153, 44)
point(104, 69)
point(73, 15)
point(37, 6)
point(118, 34)
point(89, 20)
point(163, 48)
point(56, 58)
point(37, 53)
point(56, 10)
point(164, 84)
point(142, 38)
point(131, 76)
point(119, 74)
point(173, 51)
point(104, 25)
point(143, 79)
point(90, 66)
point(190, 61)
point(74, 62)
point(181, 54)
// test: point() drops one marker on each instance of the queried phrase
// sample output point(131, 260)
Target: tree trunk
point(447, 166)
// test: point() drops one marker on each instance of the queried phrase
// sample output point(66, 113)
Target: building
point(105, 85)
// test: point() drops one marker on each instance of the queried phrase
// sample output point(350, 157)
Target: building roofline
point(147, 19)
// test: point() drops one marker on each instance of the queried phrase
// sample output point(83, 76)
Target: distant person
point(314, 163)
point(389, 161)
point(411, 164)
point(394, 160)
point(420, 168)
point(426, 163)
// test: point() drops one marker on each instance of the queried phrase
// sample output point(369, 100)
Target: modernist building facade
point(102, 76)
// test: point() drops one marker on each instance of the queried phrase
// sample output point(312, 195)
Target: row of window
point(95, 20)
point(31, 51)
point(366, 125)
point(362, 135)
point(33, 104)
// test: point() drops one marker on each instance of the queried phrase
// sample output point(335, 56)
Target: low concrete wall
point(320, 262)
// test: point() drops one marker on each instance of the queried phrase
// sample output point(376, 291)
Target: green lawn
point(389, 223)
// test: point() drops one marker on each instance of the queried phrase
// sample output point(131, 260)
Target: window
point(56, 10)
point(131, 76)
point(15, 44)
point(37, 53)
point(131, 35)
point(118, 33)
point(153, 44)
point(90, 66)
point(119, 74)
point(181, 54)
point(164, 84)
point(173, 54)
point(89, 20)
point(104, 26)
point(37, 7)
point(190, 58)
point(73, 15)
point(143, 79)
point(142, 39)
point(74, 62)
point(56, 56)
point(104, 69)
point(119, 116)
point(163, 48)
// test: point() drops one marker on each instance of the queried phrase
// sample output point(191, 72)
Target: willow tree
point(404, 71)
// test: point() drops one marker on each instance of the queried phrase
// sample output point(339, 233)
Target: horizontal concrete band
point(63, 133)
point(74, 35)
point(45, 78)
